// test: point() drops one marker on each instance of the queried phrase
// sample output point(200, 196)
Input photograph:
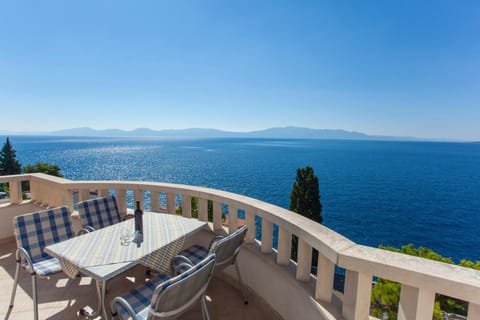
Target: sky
point(400, 68)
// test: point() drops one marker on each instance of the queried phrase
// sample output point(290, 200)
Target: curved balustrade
point(420, 279)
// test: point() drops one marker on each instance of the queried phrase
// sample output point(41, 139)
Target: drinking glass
point(124, 236)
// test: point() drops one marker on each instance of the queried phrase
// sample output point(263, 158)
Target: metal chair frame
point(217, 244)
point(163, 289)
point(59, 220)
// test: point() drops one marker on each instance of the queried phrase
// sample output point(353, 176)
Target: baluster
point(473, 311)
point(33, 190)
point(284, 246)
point(34, 186)
point(155, 201)
point(186, 206)
point(217, 215)
point(356, 299)
point(202, 209)
point(138, 196)
point(15, 192)
point(304, 260)
point(232, 218)
point(250, 236)
point(103, 193)
point(121, 197)
point(325, 277)
point(84, 194)
point(267, 236)
point(415, 303)
point(171, 205)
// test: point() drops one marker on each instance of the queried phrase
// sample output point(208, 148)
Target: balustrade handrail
point(451, 280)
point(16, 177)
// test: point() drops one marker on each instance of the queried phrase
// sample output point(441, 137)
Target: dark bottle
point(138, 219)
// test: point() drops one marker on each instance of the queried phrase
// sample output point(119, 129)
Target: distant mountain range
point(278, 133)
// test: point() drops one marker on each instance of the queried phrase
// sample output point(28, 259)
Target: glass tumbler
point(124, 236)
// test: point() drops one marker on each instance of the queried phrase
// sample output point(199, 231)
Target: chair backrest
point(227, 248)
point(174, 296)
point(35, 231)
point(99, 212)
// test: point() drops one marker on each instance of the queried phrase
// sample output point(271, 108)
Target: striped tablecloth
point(163, 238)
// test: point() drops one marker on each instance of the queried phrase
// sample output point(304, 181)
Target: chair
point(33, 232)
point(226, 250)
point(167, 298)
point(98, 213)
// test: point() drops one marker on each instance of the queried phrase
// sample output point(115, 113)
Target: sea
point(373, 192)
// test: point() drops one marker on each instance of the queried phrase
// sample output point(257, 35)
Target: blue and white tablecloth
point(163, 238)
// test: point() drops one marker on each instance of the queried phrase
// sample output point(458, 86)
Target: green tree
point(42, 167)
point(305, 195)
point(386, 293)
point(305, 200)
point(8, 160)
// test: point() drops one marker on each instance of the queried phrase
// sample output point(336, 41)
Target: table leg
point(101, 308)
point(102, 299)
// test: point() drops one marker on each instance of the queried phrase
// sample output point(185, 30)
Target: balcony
point(278, 287)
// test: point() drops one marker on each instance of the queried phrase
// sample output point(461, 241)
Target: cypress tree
point(8, 160)
point(305, 200)
point(305, 195)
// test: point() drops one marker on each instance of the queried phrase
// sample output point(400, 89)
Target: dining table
point(101, 255)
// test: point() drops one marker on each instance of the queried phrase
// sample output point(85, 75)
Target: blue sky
point(405, 68)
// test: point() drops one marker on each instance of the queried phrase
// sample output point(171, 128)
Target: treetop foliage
point(421, 252)
point(428, 253)
point(8, 160)
point(305, 195)
point(42, 167)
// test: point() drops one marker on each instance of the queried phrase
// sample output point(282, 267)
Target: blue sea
point(373, 192)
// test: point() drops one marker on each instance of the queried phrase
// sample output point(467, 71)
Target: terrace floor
point(61, 297)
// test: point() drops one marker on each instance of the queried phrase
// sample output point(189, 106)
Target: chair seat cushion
point(46, 267)
point(195, 253)
point(140, 298)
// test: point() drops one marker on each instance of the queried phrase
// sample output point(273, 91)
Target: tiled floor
point(61, 297)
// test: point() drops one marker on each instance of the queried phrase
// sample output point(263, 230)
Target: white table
point(100, 255)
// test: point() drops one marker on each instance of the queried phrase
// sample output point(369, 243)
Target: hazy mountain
point(85, 131)
point(307, 133)
point(145, 132)
point(278, 133)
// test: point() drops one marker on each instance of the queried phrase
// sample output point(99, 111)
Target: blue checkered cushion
point(140, 298)
point(99, 213)
point(195, 253)
point(35, 231)
point(224, 248)
point(46, 267)
point(145, 296)
point(184, 289)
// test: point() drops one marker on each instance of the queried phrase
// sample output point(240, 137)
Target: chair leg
point(241, 283)
point(15, 283)
point(205, 314)
point(35, 300)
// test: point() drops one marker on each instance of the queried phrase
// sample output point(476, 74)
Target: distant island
point(274, 133)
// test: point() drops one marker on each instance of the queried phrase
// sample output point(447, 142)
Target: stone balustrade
point(420, 279)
